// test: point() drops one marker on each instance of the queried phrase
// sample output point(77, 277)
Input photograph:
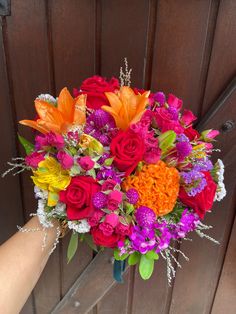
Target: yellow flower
point(51, 177)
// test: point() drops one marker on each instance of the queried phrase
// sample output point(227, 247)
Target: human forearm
point(21, 263)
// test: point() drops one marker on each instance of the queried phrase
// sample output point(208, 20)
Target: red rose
point(128, 149)
point(108, 241)
point(78, 197)
point(191, 133)
point(203, 201)
point(95, 87)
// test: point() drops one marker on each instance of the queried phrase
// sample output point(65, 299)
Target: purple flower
point(188, 222)
point(132, 196)
point(183, 149)
point(142, 239)
point(159, 97)
point(145, 216)
point(99, 200)
point(194, 181)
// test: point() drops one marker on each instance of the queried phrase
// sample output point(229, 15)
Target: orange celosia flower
point(157, 185)
point(69, 112)
point(126, 107)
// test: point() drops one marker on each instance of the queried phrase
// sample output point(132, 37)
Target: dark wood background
point(186, 47)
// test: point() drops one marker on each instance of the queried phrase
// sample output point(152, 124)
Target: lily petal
point(34, 125)
point(66, 104)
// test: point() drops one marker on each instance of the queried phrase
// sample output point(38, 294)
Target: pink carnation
point(109, 224)
point(122, 229)
point(34, 159)
point(95, 219)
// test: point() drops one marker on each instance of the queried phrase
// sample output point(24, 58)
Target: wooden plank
point(90, 287)
point(200, 276)
point(117, 300)
point(29, 64)
point(73, 39)
point(182, 48)
point(124, 34)
point(11, 202)
point(72, 29)
point(156, 291)
point(223, 59)
point(225, 301)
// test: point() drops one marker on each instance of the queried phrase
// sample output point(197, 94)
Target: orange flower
point(157, 185)
point(68, 112)
point(126, 107)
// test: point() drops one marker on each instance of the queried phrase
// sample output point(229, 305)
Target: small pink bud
point(65, 159)
point(86, 163)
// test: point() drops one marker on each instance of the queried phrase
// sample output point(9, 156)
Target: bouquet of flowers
point(122, 168)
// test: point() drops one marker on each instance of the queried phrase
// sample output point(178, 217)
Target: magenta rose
point(167, 119)
point(109, 184)
point(114, 200)
point(78, 197)
point(86, 163)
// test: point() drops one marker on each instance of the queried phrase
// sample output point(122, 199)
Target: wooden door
point(186, 47)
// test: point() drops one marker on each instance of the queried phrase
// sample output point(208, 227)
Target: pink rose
point(34, 159)
point(86, 163)
point(66, 160)
point(109, 184)
point(114, 200)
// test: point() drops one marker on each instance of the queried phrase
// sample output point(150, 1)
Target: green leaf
point(134, 258)
point(88, 239)
point(119, 257)
point(129, 208)
point(108, 161)
point(75, 170)
point(29, 147)
point(92, 173)
point(146, 267)
point(152, 255)
point(72, 247)
point(166, 140)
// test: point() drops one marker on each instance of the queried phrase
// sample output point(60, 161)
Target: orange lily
point(68, 112)
point(126, 107)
